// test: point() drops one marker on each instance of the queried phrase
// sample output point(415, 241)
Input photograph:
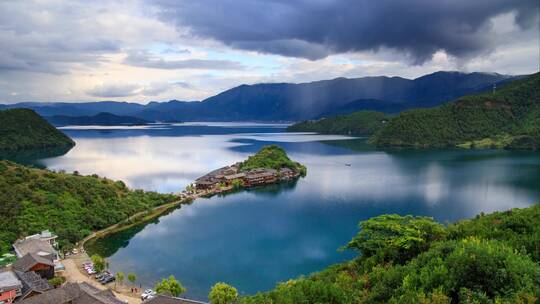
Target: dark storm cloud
point(314, 29)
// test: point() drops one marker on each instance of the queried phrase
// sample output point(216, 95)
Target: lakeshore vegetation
point(362, 123)
point(404, 259)
point(23, 129)
point(71, 205)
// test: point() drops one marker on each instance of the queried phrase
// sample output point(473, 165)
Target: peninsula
point(269, 166)
point(24, 129)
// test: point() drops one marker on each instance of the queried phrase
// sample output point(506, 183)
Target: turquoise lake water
point(254, 239)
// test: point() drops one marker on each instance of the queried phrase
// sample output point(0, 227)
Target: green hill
point(23, 129)
point(32, 200)
point(272, 157)
point(508, 118)
point(404, 259)
point(360, 123)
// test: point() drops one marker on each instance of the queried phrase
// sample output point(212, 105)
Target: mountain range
point(100, 119)
point(293, 102)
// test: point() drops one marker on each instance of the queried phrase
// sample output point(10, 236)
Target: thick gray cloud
point(145, 59)
point(314, 29)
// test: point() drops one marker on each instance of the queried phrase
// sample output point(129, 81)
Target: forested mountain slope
point(32, 200)
point(23, 129)
point(508, 118)
point(361, 123)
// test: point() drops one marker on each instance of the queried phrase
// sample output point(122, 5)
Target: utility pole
point(494, 88)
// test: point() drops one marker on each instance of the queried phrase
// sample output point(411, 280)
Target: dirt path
point(74, 274)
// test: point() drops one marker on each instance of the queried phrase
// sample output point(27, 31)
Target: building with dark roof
point(75, 293)
point(41, 244)
point(42, 265)
point(162, 299)
point(32, 285)
point(258, 177)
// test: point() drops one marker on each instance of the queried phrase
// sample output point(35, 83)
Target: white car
point(148, 294)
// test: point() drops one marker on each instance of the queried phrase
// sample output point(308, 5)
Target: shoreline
point(135, 219)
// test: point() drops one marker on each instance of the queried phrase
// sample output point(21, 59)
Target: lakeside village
point(270, 165)
point(38, 274)
point(230, 178)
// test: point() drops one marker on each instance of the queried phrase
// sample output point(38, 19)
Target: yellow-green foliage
point(32, 200)
point(498, 142)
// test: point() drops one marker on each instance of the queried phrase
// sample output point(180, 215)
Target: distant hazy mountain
point(101, 119)
point(81, 108)
point(293, 102)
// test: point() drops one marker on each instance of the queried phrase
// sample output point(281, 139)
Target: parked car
point(148, 294)
point(102, 274)
point(108, 279)
point(91, 271)
point(104, 277)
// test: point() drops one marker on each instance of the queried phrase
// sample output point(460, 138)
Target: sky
point(158, 50)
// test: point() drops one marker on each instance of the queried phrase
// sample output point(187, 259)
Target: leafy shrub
point(395, 238)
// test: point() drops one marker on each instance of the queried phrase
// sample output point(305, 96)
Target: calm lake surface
point(254, 239)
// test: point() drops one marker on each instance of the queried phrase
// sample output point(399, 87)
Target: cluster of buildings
point(26, 280)
point(28, 276)
point(229, 175)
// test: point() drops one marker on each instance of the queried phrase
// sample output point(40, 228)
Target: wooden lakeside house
point(287, 174)
point(260, 177)
point(42, 265)
point(230, 178)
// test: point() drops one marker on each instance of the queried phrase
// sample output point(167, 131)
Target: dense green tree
point(57, 281)
point(272, 157)
point(120, 277)
point(222, 293)
point(132, 278)
point(170, 286)
point(396, 238)
point(100, 263)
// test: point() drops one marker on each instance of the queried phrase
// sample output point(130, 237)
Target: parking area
point(75, 272)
